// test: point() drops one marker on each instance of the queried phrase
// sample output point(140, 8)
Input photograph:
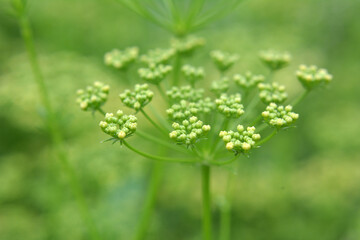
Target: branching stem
point(152, 122)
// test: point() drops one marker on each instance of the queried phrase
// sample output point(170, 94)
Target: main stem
point(54, 131)
point(206, 199)
point(225, 217)
point(177, 66)
point(148, 210)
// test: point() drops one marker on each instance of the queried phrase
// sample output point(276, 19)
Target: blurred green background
point(303, 185)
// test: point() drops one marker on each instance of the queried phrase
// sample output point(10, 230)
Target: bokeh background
point(302, 185)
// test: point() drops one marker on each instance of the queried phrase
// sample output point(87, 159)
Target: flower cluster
point(220, 87)
point(230, 106)
point(272, 92)
point(121, 59)
point(275, 60)
point(185, 109)
point(279, 116)
point(248, 80)
point(313, 76)
point(176, 94)
point(93, 97)
point(187, 45)
point(158, 56)
point(119, 126)
point(189, 131)
point(138, 98)
point(154, 74)
point(193, 74)
point(223, 60)
point(240, 141)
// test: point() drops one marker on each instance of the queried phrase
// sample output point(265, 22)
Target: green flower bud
point(230, 106)
point(119, 126)
point(186, 46)
point(158, 56)
point(272, 92)
point(154, 74)
point(138, 98)
point(275, 60)
point(93, 97)
point(193, 74)
point(223, 60)
point(189, 131)
point(187, 93)
point(312, 76)
point(241, 141)
point(220, 87)
point(279, 116)
point(248, 80)
point(121, 59)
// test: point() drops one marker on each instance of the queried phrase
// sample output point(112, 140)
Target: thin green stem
point(54, 130)
point(164, 131)
point(267, 138)
point(206, 206)
point(156, 175)
point(161, 142)
point(225, 215)
point(101, 111)
point(221, 163)
point(257, 120)
point(159, 158)
point(300, 98)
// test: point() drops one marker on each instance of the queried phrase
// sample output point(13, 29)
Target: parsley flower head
point(189, 131)
point(119, 125)
point(240, 141)
point(93, 97)
point(158, 56)
point(230, 106)
point(248, 80)
point(272, 92)
point(154, 74)
point(193, 74)
point(275, 60)
point(313, 76)
point(223, 60)
point(121, 59)
point(138, 98)
point(279, 116)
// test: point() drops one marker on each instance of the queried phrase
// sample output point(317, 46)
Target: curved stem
point(220, 163)
point(300, 98)
point(257, 120)
point(206, 199)
point(54, 130)
point(156, 174)
point(159, 158)
point(160, 141)
point(153, 123)
point(101, 111)
point(267, 138)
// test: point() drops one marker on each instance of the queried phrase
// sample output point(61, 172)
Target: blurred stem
point(162, 92)
point(177, 66)
point(206, 199)
point(54, 130)
point(257, 119)
point(159, 158)
point(156, 175)
point(300, 98)
point(225, 216)
point(152, 122)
